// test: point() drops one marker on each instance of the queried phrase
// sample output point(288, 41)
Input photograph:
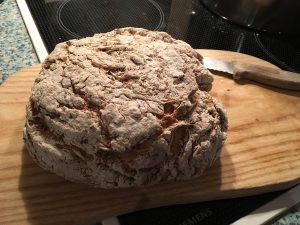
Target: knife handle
point(266, 75)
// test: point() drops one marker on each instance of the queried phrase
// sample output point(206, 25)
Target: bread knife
point(261, 74)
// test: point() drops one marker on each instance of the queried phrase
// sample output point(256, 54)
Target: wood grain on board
point(261, 154)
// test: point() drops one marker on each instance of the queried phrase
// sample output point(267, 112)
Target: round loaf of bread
point(125, 108)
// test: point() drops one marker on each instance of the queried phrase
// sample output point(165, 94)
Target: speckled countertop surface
point(16, 52)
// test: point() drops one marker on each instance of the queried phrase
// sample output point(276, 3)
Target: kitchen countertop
point(16, 52)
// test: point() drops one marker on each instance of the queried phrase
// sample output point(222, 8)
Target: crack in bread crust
point(124, 108)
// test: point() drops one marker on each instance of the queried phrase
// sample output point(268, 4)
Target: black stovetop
point(188, 20)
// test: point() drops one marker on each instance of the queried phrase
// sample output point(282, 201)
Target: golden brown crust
point(123, 109)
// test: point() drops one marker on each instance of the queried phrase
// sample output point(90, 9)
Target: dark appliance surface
point(192, 22)
point(219, 212)
point(280, 16)
point(188, 20)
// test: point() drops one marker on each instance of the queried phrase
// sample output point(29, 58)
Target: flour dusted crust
point(124, 108)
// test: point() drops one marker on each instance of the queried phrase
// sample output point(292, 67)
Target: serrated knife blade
point(246, 71)
point(218, 65)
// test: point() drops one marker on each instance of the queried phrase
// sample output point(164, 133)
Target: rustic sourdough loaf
point(125, 108)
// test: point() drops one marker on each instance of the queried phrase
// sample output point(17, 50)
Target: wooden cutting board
point(261, 154)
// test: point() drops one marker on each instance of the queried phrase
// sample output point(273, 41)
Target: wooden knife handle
point(265, 75)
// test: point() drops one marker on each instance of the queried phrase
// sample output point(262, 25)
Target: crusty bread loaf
point(124, 108)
